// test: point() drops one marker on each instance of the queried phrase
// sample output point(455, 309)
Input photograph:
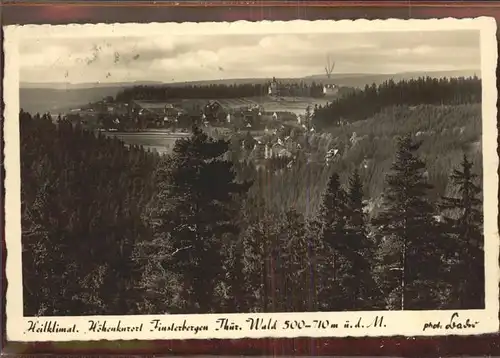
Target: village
point(277, 125)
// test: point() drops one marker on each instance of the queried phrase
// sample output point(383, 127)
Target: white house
point(273, 89)
point(330, 155)
point(268, 153)
point(330, 89)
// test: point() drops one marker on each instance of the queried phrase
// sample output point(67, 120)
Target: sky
point(169, 58)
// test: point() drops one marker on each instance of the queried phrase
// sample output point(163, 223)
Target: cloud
point(186, 58)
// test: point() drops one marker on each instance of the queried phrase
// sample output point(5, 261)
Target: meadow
point(155, 141)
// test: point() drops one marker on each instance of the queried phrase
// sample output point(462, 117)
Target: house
point(268, 153)
point(216, 111)
point(213, 106)
point(160, 113)
point(355, 139)
point(259, 151)
point(290, 144)
point(342, 122)
point(278, 89)
point(248, 142)
point(273, 89)
point(331, 155)
point(158, 108)
point(330, 90)
point(283, 153)
point(366, 163)
point(172, 114)
point(279, 150)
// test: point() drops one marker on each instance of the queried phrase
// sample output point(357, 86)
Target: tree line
point(217, 91)
point(360, 105)
point(212, 91)
point(110, 229)
point(82, 198)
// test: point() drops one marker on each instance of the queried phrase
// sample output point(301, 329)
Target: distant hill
point(361, 80)
point(57, 100)
point(54, 97)
point(346, 79)
point(88, 85)
point(60, 97)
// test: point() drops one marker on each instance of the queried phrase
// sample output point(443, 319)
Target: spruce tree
point(260, 241)
point(196, 206)
point(359, 250)
point(232, 288)
point(294, 262)
point(407, 219)
point(464, 221)
point(315, 251)
point(333, 218)
point(255, 268)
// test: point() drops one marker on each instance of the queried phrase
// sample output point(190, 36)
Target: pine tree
point(464, 223)
point(360, 250)
point(316, 265)
point(195, 208)
point(407, 219)
point(308, 117)
point(235, 278)
point(232, 288)
point(333, 218)
point(295, 263)
point(260, 240)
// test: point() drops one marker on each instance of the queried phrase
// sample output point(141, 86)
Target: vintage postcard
point(248, 180)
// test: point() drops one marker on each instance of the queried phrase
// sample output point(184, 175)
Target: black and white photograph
point(253, 170)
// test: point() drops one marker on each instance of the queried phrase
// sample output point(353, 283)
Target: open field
point(159, 141)
point(295, 105)
point(62, 101)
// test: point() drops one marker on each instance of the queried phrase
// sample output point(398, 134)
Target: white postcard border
point(406, 323)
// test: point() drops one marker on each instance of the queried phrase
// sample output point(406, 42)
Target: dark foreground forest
point(111, 229)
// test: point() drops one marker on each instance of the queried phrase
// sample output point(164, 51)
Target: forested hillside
point(361, 105)
point(110, 229)
point(82, 201)
point(446, 133)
